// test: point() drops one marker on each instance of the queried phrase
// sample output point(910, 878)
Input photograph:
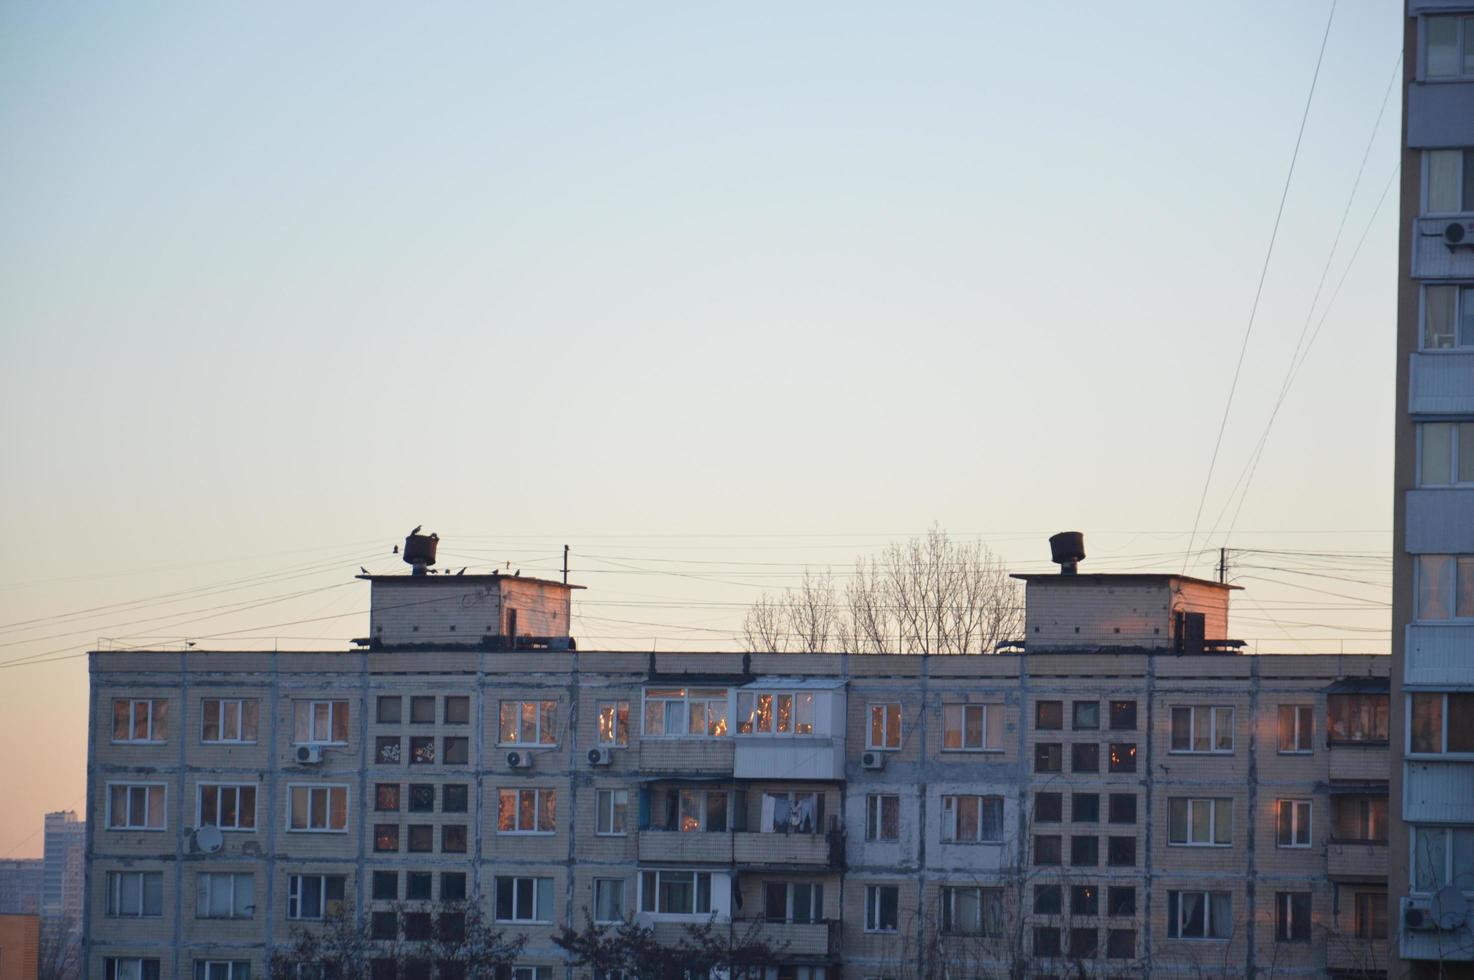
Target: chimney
point(1067, 550)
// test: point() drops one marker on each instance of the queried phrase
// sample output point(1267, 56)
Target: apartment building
point(62, 870)
point(20, 887)
point(1432, 839)
point(1124, 795)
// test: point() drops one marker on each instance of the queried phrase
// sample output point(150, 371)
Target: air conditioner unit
point(1457, 235)
point(1417, 920)
point(600, 757)
point(309, 755)
point(873, 760)
point(519, 760)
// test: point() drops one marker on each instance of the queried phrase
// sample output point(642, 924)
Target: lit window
point(1297, 729)
point(1123, 757)
point(315, 896)
point(225, 896)
point(679, 711)
point(882, 817)
point(972, 727)
point(1442, 723)
point(1200, 822)
point(1202, 729)
point(1292, 917)
point(775, 712)
point(614, 723)
point(229, 720)
point(320, 723)
point(971, 911)
point(972, 819)
point(885, 726)
point(136, 806)
point(613, 811)
point(1199, 915)
point(1292, 823)
point(135, 894)
point(318, 808)
point(882, 908)
point(141, 720)
point(526, 811)
point(528, 723)
point(227, 806)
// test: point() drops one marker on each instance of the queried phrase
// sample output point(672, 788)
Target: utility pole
point(565, 564)
point(1222, 567)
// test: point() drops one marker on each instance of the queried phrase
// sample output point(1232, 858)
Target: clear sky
point(684, 286)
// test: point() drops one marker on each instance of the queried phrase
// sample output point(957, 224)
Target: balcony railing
point(688, 847)
point(789, 850)
point(792, 939)
point(686, 756)
point(1356, 860)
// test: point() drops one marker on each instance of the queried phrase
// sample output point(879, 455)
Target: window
point(1121, 852)
point(1123, 757)
point(1086, 716)
point(1123, 716)
point(130, 968)
point(1371, 915)
point(679, 711)
point(229, 720)
point(1442, 723)
point(1202, 729)
point(1448, 322)
point(1048, 757)
point(1360, 819)
point(422, 710)
point(1084, 900)
point(524, 899)
point(775, 712)
point(1049, 716)
point(457, 709)
point(417, 929)
point(314, 896)
point(526, 811)
point(1450, 183)
point(972, 819)
point(1120, 944)
point(320, 723)
point(1297, 729)
point(1449, 46)
point(386, 837)
point(227, 806)
point(386, 886)
point(454, 798)
point(793, 901)
point(455, 750)
point(1085, 757)
point(140, 721)
point(885, 726)
point(882, 817)
point(608, 899)
point(1047, 900)
point(222, 970)
point(1292, 917)
point(389, 707)
point(421, 797)
point(614, 722)
point(321, 809)
point(675, 892)
point(452, 886)
point(707, 811)
point(1292, 823)
point(1441, 856)
point(968, 911)
point(1046, 941)
point(136, 806)
point(420, 838)
point(1199, 915)
point(1121, 900)
point(1085, 807)
point(384, 926)
point(613, 811)
point(388, 750)
point(1446, 449)
point(1049, 807)
point(1357, 717)
point(1084, 943)
point(224, 896)
point(1048, 849)
point(417, 886)
point(1084, 852)
point(422, 750)
point(534, 973)
point(1200, 823)
point(972, 727)
point(1445, 587)
point(1122, 808)
point(135, 894)
point(528, 723)
point(882, 908)
point(386, 797)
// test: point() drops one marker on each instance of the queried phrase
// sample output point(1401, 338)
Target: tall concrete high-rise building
point(1431, 876)
point(63, 882)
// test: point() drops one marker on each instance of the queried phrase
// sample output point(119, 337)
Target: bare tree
point(632, 950)
point(60, 955)
point(931, 594)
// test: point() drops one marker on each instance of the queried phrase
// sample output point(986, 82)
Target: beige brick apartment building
point(1125, 796)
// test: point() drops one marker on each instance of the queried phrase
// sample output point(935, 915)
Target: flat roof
point(1119, 576)
point(466, 579)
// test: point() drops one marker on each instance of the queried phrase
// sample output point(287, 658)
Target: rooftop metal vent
point(1067, 550)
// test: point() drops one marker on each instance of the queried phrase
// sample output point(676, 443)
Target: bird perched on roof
point(461, 572)
point(362, 569)
point(416, 530)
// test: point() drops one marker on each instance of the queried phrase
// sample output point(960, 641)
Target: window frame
point(1117, 764)
point(240, 789)
point(1298, 824)
point(334, 707)
point(889, 741)
point(297, 891)
point(148, 825)
point(539, 882)
point(1463, 294)
point(875, 909)
point(205, 883)
point(544, 714)
point(544, 803)
point(989, 904)
point(652, 889)
point(617, 883)
point(961, 710)
point(1463, 46)
point(755, 719)
point(240, 720)
point(686, 698)
point(617, 821)
point(1191, 805)
point(329, 788)
point(156, 725)
point(234, 969)
point(1302, 741)
point(875, 807)
point(1449, 593)
point(1214, 733)
point(1381, 713)
point(1446, 714)
point(1290, 927)
point(1455, 453)
point(952, 806)
point(115, 881)
point(1175, 923)
point(616, 734)
point(144, 968)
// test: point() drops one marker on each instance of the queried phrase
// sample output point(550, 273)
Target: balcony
point(1357, 956)
point(1432, 944)
point(797, 851)
point(799, 757)
point(690, 847)
point(792, 939)
point(1438, 791)
point(686, 756)
point(1356, 860)
point(1359, 761)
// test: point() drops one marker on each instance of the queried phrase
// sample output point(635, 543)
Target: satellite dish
point(209, 839)
point(1449, 908)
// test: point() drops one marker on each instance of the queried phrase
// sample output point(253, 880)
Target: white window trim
point(202, 967)
point(205, 881)
point(949, 818)
point(948, 898)
point(599, 814)
point(870, 707)
point(987, 709)
point(1207, 914)
point(692, 916)
point(1192, 804)
point(347, 808)
point(114, 899)
point(133, 704)
point(536, 895)
point(334, 706)
point(108, 808)
point(623, 905)
point(775, 693)
point(1192, 718)
point(1407, 733)
point(240, 704)
point(1297, 705)
point(537, 804)
point(1288, 900)
point(873, 907)
point(1449, 871)
point(537, 743)
point(1295, 828)
point(686, 699)
point(1459, 43)
point(199, 808)
point(1425, 163)
point(873, 802)
point(599, 739)
point(1459, 286)
point(1453, 449)
point(322, 895)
